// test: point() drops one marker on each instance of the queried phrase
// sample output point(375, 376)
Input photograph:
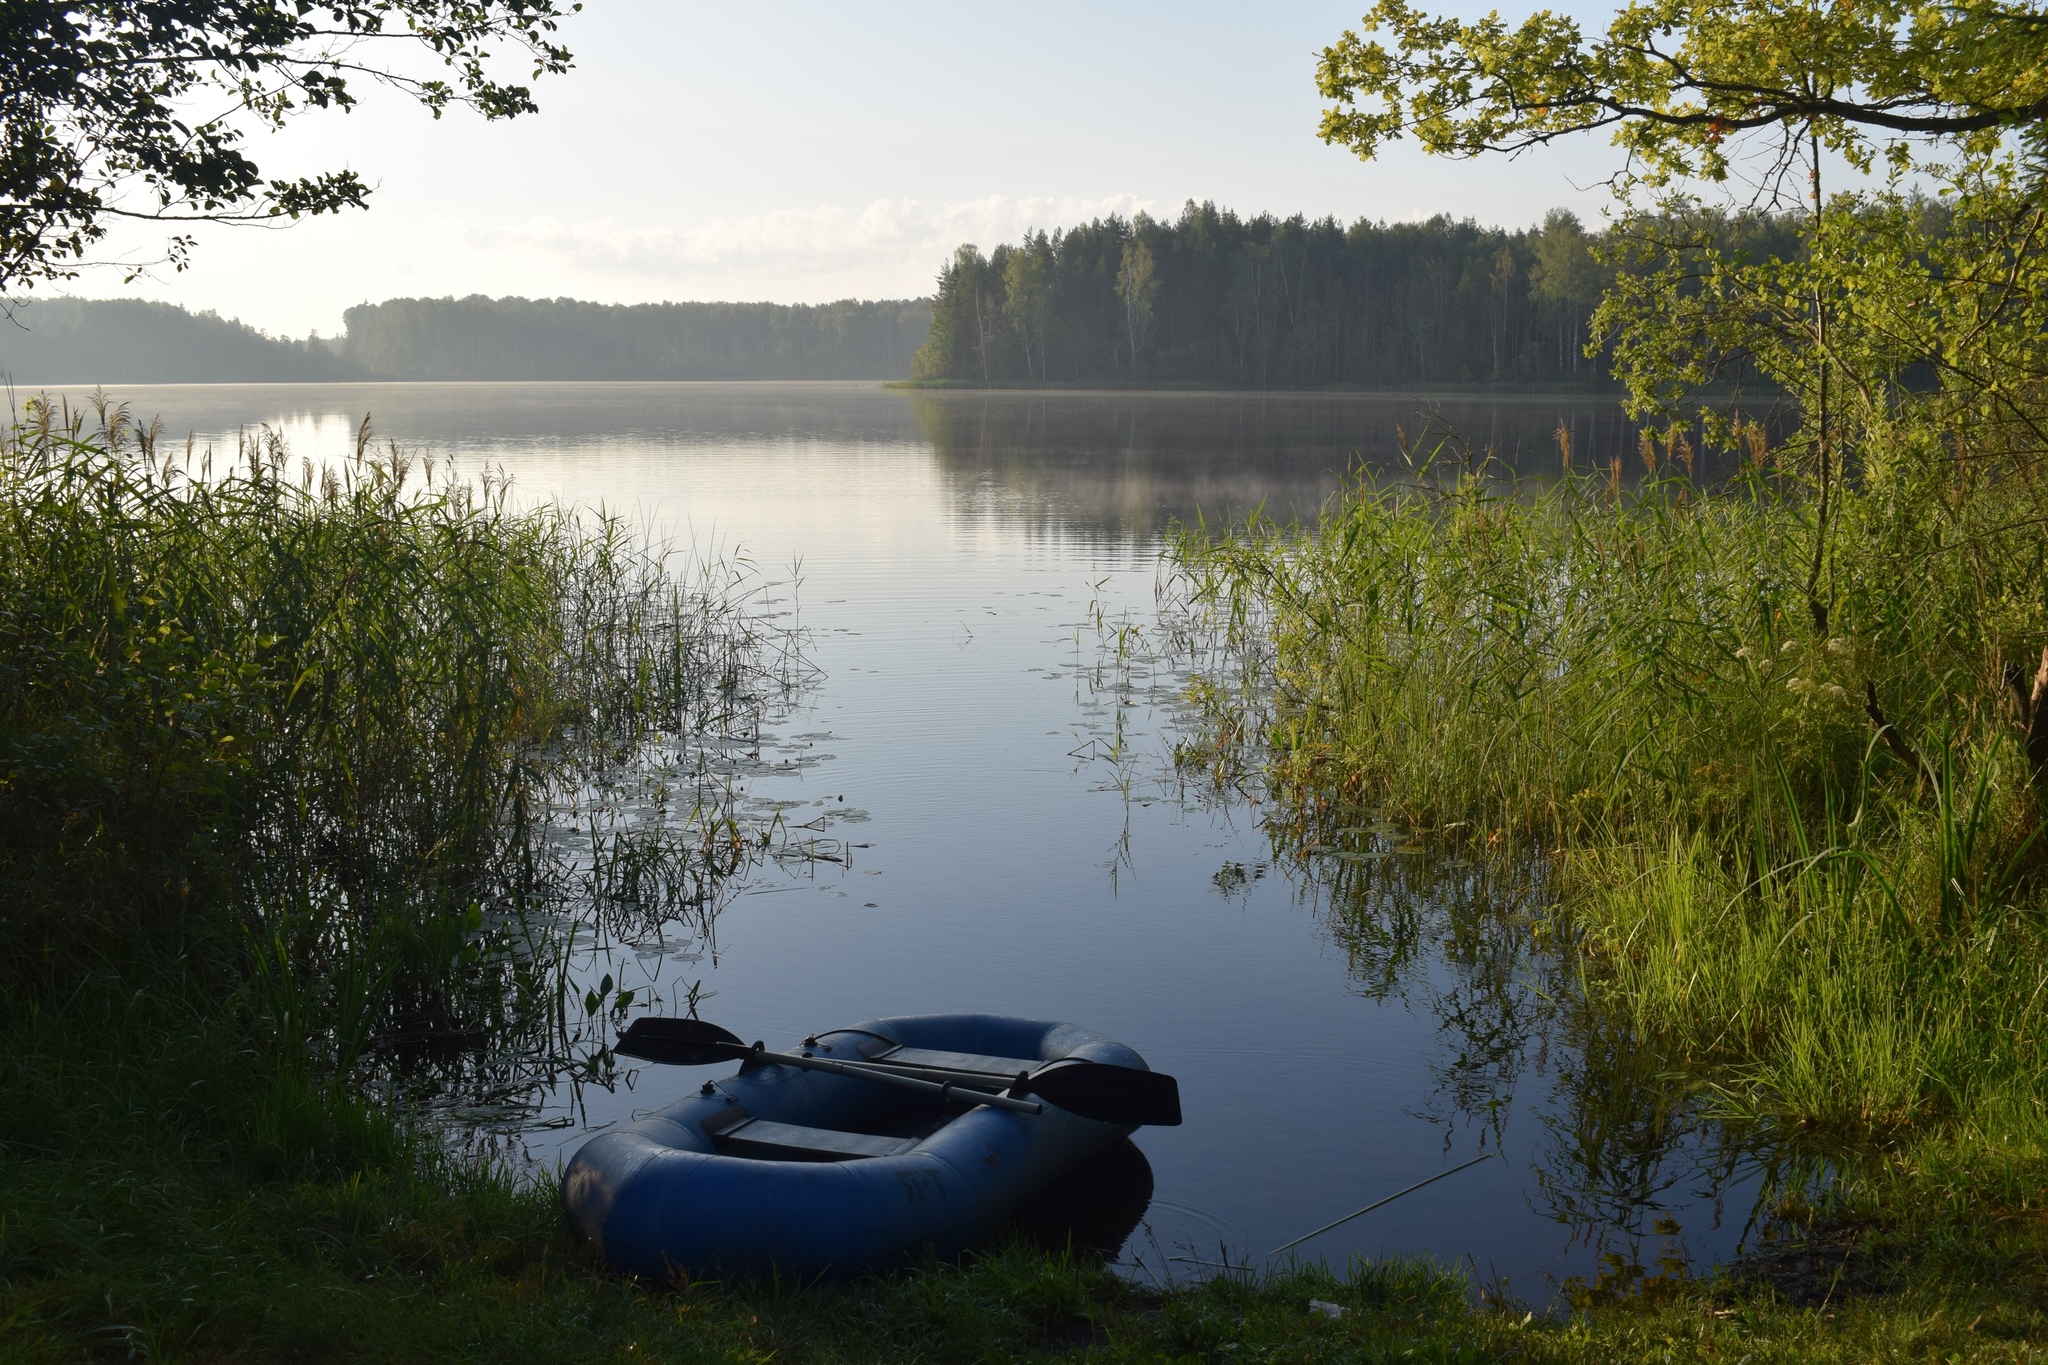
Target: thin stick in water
point(1375, 1204)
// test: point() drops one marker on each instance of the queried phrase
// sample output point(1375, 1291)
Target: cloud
point(889, 248)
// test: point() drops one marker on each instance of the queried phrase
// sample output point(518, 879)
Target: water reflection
point(1626, 1163)
point(1093, 1210)
point(1126, 464)
point(625, 866)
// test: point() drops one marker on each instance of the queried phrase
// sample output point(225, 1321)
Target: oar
point(1093, 1090)
point(656, 1049)
point(690, 1042)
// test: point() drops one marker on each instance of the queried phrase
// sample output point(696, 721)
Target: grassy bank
point(146, 1221)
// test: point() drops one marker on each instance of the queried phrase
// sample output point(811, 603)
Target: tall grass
point(1799, 838)
point(312, 733)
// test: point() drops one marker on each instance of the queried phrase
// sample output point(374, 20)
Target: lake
point(1344, 1023)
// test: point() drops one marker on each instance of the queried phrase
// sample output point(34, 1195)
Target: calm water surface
point(1343, 1023)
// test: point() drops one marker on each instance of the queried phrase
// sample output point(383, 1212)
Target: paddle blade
point(1121, 1095)
point(679, 1042)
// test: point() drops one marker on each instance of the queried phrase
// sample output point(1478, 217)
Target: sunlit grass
point(1830, 926)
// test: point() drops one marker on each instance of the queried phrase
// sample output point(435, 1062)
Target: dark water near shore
point(1343, 1023)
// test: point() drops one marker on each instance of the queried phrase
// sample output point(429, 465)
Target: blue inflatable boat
point(812, 1170)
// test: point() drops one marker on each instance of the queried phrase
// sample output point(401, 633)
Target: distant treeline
point(480, 338)
point(1214, 299)
point(129, 341)
point(1206, 300)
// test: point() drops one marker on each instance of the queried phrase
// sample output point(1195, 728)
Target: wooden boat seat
point(735, 1132)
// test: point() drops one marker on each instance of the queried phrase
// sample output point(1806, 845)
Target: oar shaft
point(941, 1090)
point(1100, 1091)
point(937, 1075)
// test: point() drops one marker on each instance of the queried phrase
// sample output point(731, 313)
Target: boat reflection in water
point(1093, 1210)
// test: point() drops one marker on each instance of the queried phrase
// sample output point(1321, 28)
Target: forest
point(133, 341)
point(1213, 299)
point(515, 338)
point(130, 341)
point(1209, 299)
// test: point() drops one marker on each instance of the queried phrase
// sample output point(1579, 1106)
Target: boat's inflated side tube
point(660, 1201)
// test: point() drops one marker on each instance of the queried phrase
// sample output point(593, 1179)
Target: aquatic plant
point(1801, 866)
point(344, 741)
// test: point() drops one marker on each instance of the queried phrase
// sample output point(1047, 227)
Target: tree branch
point(2037, 725)
point(1894, 740)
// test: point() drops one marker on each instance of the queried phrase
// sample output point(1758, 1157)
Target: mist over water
point(987, 755)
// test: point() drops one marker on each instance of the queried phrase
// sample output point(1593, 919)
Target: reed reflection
point(1622, 1155)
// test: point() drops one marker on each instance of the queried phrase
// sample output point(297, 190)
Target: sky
point(804, 152)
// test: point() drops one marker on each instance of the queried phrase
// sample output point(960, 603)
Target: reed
point(1797, 842)
point(319, 734)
